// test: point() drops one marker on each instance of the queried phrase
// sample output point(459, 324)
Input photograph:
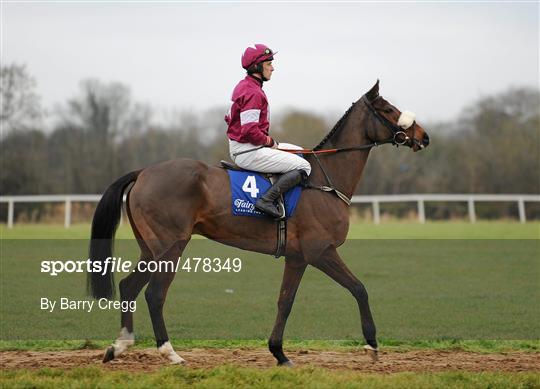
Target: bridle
point(399, 138)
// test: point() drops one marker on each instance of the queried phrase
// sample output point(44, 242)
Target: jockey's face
point(268, 68)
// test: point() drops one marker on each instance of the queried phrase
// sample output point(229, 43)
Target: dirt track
point(390, 362)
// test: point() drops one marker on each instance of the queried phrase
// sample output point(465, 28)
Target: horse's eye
point(387, 110)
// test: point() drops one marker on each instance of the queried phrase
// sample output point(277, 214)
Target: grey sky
point(431, 58)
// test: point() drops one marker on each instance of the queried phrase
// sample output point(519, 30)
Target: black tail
point(104, 226)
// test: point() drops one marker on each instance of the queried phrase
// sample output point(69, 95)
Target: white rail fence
point(422, 199)
point(419, 199)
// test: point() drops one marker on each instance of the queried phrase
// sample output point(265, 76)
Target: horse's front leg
point(292, 275)
point(331, 264)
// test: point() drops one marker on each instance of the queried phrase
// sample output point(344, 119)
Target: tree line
point(102, 133)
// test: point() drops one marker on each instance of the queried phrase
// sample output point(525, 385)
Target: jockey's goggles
point(267, 52)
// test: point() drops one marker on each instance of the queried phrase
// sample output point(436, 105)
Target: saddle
point(232, 166)
point(281, 223)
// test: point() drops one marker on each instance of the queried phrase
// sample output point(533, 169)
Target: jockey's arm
point(254, 129)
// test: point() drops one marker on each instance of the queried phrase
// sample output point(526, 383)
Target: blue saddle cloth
point(248, 186)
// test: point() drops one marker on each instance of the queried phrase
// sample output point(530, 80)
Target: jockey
point(250, 146)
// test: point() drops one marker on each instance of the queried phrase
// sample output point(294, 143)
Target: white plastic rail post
point(521, 209)
point(472, 211)
point(421, 212)
point(67, 214)
point(376, 212)
point(11, 211)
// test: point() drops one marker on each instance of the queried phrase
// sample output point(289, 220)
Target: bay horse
point(170, 201)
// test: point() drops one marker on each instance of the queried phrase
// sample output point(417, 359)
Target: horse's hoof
point(372, 352)
point(109, 355)
point(287, 363)
point(166, 350)
point(177, 360)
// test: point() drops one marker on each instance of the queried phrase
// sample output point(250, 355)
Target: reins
point(323, 151)
point(328, 151)
point(399, 138)
point(396, 131)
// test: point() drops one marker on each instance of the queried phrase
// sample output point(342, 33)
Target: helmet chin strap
point(263, 78)
point(259, 70)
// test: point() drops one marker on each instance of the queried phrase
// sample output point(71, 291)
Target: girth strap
point(281, 237)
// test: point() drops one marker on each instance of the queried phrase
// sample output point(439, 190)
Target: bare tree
point(102, 110)
point(102, 114)
point(20, 103)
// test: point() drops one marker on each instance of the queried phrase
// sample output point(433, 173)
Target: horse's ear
point(373, 92)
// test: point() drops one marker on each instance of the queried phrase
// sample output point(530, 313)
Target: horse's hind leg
point(331, 264)
point(292, 275)
point(130, 288)
point(155, 297)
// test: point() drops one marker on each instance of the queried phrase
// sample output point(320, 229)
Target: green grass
point(231, 376)
point(435, 293)
point(391, 230)
point(477, 346)
point(446, 230)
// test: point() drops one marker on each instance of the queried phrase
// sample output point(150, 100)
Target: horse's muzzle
point(418, 145)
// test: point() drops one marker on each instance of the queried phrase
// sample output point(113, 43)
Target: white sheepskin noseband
point(406, 119)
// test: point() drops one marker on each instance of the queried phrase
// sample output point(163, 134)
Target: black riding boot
point(283, 184)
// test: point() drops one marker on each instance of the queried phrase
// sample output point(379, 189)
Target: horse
point(169, 202)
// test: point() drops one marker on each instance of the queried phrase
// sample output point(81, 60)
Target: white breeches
point(268, 160)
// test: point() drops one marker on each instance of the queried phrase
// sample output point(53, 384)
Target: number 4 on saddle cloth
point(247, 186)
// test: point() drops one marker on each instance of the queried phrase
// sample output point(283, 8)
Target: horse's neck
point(345, 168)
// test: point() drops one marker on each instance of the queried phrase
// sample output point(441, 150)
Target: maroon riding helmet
point(253, 58)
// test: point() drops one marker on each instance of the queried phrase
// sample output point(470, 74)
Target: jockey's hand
point(273, 144)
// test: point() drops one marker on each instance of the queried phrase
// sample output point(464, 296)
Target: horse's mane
point(335, 129)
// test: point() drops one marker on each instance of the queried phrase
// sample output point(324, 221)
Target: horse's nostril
point(426, 139)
